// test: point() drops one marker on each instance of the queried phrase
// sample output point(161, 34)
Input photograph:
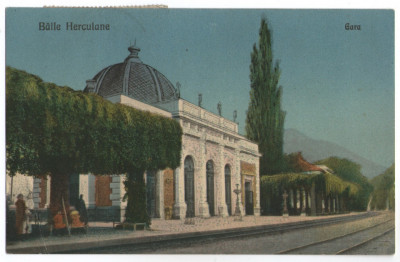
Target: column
point(201, 179)
point(342, 205)
point(290, 208)
point(84, 187)
point(48, 192)
point(221, 204)
point(313, 200)
point(338, 207)
point(123, 192)
point(238, 181)
point(302, 200)
point(91, 192)
point(160, 194)
point(285, 209)
point(333, 208)
point(115, 195)
point(36, 192)
point(87, 188)
point(179, 205)
point(327, 204)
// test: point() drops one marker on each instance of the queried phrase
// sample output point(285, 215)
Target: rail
point(316, 243)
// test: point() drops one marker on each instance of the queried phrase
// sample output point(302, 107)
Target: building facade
point(215, 158)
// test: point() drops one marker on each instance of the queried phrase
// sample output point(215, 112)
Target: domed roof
point(133, 78)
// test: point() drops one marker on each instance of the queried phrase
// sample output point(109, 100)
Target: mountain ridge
point(314, 150)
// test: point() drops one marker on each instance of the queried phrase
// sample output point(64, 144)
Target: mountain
point(314, 150)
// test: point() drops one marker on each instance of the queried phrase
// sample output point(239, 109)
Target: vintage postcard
point(199, 131)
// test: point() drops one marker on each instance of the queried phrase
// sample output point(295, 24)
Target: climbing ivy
point(330, 183)
point(349, 171)
point(272, 187)
point(56, 131)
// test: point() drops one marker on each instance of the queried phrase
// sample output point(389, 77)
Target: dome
point(133, 78)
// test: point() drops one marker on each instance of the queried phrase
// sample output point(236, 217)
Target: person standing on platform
point(20, 215)
point(81, 208)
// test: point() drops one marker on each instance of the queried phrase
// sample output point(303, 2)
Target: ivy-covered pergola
point(310, 188)
point(56, 131)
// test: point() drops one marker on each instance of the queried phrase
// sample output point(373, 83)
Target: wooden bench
point(124, 225)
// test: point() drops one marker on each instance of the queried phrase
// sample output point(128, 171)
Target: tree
point(383, 194)
point(56, 131)
point(350, 171)
point(265, 119)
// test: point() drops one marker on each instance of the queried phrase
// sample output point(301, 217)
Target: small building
point(215, 158)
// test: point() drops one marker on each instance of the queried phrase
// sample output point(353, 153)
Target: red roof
point(301, 165)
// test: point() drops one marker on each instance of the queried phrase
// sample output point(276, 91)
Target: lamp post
point(238, 215)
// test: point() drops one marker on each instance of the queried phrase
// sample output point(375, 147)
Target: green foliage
point(56, 130)
point(351, 172)
point(272, 187)
point(383, 194)
point(53, 129)
point(287, 180)
point(327, 182)
point(335, 185)
point(264, 121)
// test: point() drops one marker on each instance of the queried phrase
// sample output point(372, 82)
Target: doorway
point(228, 189)
point(249, 198)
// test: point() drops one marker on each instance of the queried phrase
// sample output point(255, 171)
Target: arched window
point(228, 189)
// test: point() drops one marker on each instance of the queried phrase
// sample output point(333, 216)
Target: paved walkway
point(100, 234)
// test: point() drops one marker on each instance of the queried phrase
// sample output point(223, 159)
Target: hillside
point(314, 150)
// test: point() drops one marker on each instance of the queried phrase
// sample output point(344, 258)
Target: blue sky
point(338, 85)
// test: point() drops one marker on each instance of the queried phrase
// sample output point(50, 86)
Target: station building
point(215, 158)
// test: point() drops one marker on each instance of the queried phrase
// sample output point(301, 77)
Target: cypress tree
point(264, 121)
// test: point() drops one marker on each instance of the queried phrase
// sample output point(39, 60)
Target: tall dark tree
point(265, 119)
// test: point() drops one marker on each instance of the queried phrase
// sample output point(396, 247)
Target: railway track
point(211, 236)
point(365, 242)
point(339, 244)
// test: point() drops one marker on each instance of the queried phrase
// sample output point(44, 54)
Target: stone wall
point(21, 184)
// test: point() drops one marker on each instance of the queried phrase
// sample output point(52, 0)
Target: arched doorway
point(228, 189)
point(189, 186)
point(210, 186)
